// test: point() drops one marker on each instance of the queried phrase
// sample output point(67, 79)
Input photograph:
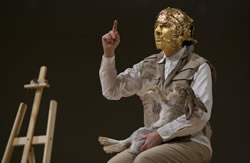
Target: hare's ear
point(190, 92)
point(189, 104)
point(201, 105)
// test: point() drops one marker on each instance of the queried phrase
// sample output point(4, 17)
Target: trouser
point(171, 152)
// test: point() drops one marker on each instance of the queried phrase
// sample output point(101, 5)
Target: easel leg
point(32, 158)
point(50, 131)
point(33, 117)
point(15, 131)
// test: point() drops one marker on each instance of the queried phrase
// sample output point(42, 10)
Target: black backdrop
point(66, 37)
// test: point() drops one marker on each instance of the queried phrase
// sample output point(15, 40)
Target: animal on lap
point(180, 100)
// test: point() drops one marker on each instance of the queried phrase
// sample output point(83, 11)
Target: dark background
point(66, 35)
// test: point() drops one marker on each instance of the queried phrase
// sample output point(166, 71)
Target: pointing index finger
point(115, 26)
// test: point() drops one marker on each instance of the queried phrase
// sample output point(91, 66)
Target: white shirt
point(129, 83)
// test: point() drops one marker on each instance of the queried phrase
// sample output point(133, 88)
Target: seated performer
point(181, 140)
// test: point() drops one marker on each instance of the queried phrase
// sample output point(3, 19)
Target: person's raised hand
point(110, 41)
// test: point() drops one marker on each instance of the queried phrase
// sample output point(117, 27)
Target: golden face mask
point(172, 28)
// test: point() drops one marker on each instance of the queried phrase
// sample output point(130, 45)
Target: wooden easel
point(30, 139)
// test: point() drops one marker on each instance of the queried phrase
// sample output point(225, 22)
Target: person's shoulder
point(194, 61)
point(154, 57)
point(205, 65)
point(198, 59)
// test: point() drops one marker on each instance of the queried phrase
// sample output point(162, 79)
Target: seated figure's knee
point(142, 158)
point(152, 157)
point(123, 157)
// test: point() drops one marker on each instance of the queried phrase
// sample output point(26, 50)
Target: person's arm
point(202, 86)
point(116, 86)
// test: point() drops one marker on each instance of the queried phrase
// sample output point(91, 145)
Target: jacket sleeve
point(202, 86)
point(116, 86)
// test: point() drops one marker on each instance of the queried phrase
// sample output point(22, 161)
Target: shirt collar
point(174, 57)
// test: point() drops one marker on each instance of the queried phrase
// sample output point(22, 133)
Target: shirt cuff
point(165, 134)
point(170, 130)
point(108, 63)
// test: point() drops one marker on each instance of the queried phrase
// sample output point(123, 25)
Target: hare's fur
point(179, 100)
